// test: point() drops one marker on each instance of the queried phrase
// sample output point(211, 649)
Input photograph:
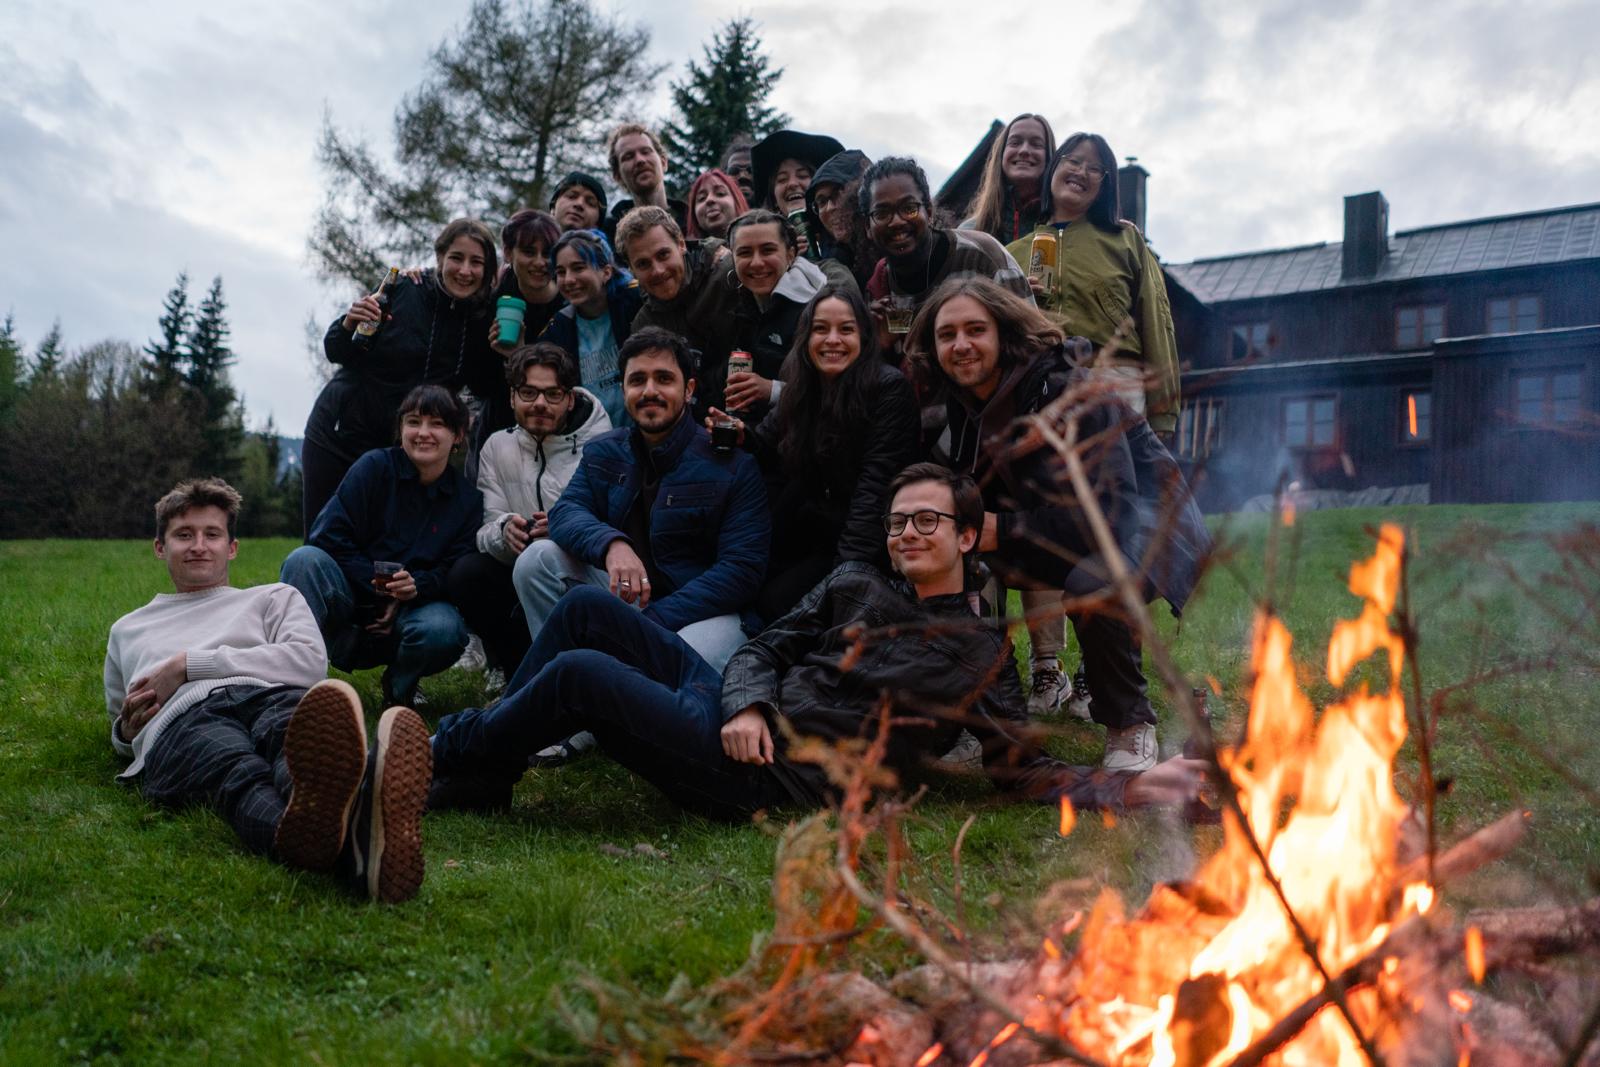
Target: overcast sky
point(145, 138)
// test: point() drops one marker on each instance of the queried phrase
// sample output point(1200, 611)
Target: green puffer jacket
point(1101, 280)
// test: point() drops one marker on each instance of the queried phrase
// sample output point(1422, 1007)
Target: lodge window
point(1418, 325)
point(1200, 428)
point(1310, 422)
point(1416, 416)
point(1251, 340)
point(1548, 398)
point(1513, 314)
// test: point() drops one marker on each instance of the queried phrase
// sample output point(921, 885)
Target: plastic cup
point(382, 571)
point(724, 435)
point(902, 309)
point(509, 312)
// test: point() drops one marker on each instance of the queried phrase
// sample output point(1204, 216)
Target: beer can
point(1042, 259)
point(739, 360)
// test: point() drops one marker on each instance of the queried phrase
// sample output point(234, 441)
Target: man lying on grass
point(713, 745)
point(219, 695)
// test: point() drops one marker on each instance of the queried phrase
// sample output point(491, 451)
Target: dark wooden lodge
point(1463, 357)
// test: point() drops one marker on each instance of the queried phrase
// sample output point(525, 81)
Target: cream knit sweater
point(264, 635)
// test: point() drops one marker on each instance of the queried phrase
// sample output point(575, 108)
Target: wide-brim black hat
point(811, 148)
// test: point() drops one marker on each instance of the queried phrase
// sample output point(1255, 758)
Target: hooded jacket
point(519, 473)
point(840, 170)
point(1103, 279)
point(860, 638)
point(1039, 522)
point(430, 338)
point(767, 333)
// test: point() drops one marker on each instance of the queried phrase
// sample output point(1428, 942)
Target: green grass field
point(129, 933)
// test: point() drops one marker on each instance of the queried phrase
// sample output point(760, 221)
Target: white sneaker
point(494, 682)
point(473, 657)
point(966, 752)
point(1077, 703)
point(1046, 689)
point(1130, 750)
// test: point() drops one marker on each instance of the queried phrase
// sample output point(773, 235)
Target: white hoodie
point(519, 474)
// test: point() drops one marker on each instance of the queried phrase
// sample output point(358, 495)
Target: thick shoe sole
point(401, 778)
point(325, 746)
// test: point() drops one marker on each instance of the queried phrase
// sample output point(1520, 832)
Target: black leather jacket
point(860, 637)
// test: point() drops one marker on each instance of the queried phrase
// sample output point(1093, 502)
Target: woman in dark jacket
point(845, 424)
point(434, 332)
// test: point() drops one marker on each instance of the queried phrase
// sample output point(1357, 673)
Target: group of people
point(749, 475)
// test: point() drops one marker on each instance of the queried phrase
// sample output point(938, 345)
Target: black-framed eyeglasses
point(925, 522)
point(906, 209)
point(528, 394)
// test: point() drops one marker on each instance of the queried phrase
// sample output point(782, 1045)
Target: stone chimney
point(1131, 180)
point(1366, 234)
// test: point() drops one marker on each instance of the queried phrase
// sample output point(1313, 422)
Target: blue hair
point(595, 250)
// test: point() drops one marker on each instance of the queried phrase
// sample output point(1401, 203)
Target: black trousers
point(480, 587)
point(226, 753)
point(321, 471)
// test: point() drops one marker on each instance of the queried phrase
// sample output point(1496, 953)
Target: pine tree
point(524, 93)
point(208, 357)
point(47, 358)
point(728, 96)
point(12, 367)
point(165, 365)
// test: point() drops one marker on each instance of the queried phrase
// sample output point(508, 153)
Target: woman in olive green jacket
point(1105, 276)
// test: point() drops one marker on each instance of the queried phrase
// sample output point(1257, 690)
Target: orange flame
point(1459, 1001)
point(1069, 818)
point(933, 1052)
point(1411, 413)
point(1475, 960)
point(1318, 797)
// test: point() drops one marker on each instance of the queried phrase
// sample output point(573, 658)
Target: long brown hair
point(988, 206)
point(1024, 330)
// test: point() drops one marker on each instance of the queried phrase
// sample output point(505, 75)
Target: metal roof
point(1535, 238)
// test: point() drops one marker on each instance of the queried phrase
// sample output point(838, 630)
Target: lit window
point(1549, 397)
point(1200, 428)
point(1513, 314)
point(1418, 326)
point(1251, 341)
point(1416, 416)
point(1310, 422)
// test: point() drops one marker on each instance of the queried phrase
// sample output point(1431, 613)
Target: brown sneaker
point(325, 746)
point(384, 859)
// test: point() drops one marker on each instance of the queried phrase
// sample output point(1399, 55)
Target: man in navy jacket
point(656, 516)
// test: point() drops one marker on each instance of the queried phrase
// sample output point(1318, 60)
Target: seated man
point(220, 698)
point(857, 638)
point(373, 571)
point(684, 292)
point(521, 474)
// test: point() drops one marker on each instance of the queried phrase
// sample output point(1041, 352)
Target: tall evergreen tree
point(523, 93)
point(12, 367)
point(48, 357)
point(209, 357)
point(726, 97)
point(164, 365)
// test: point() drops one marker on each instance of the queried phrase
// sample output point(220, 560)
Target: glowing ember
point(1411, 413)
point(1459, 1001)
point(1069, 818)
point(1206, 968)
point(935, 1050)
point(1475, 962)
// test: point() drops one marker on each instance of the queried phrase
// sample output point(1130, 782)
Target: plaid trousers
point(226, 752)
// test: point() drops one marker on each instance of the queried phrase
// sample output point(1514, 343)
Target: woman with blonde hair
point(1007, 203)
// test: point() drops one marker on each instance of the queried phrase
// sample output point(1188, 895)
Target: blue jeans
point(545, 571)
point(652, 703)
point(426, 638)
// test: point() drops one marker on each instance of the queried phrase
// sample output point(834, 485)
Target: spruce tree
point(208, 357)
point(47, 358)
point(164, 366)
point(12, 367)
point(726, 97)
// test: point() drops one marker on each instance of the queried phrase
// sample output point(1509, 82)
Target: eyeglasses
point(894, 523)
point(528, 394)
point(906, 209)
point(1093, 170)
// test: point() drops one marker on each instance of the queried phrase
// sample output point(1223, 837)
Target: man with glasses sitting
point(521, 472)
point(860, 644)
